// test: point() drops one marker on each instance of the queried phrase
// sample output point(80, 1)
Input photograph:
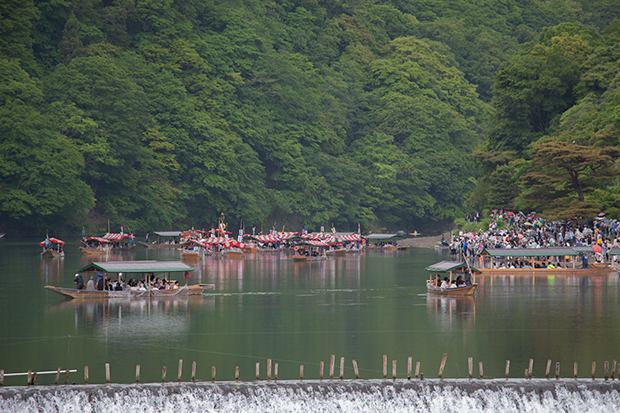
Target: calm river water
point(267, 307)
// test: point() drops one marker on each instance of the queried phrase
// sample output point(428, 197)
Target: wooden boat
point(566, 260)
point(193, 250)
point(233, 253)
point(52, 248)
point(95, 246)
point(306, 258)
point(134, 267)
point(453, 269)
point(252, 250)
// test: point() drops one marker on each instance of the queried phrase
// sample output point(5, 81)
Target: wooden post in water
point(548, 369)
point(417, 369)
point(67, 374)
point(525, 374)
point(321, 368)
point(276, 372)
point(507, 368)
point(557, 370)
point(163, 374)
point(394, 370)
point(1, 377)
point(409, 362)
point(480, 370)
point(29, 377)
point(357, 373)
point(137, 373)
point(85, 374)
point(57, 376)
point(257, 371)
point(529, 370)
point(301, 372)
point(442, 365)
point(107, 373)
point(213, 372)
point(613, 369)
point(593, 369)
point(34, 377)
point(180, 370)
point(237, 373)
point(606, 370)
point(575, 370)
point(384, 367)
point(268, 369)
point(341, 368)
point(332, 360)
point(193, 378)
point(470, 367)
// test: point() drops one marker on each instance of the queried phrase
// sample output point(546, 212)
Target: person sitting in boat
point(118, 287)
point(79, 282)
point(467, 277)
point(90, 285)
point(459, 281)
point(438, 281)
point(543, 265)
point(444, 283)
point(550, 265)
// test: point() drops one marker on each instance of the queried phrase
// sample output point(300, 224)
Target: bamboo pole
point(417, 369)
point(257, 371)
point(301, 372)
point(213, 374)
point(137, 373)
point(268, 369)
point(575, 370)
point(276, 372)
point(593, 369)
point(442, 365)
point(180, 370)
point(409, 362)
point(332, 360)
point(57, 375)
point(394, 370)
point(529, 370)
point(163, 374)
point(507, 368)
point(193, 378)
point(384, 367)
point(341, 368)
point(236, 373)
point(548, 369)
point(557, 370)
point(606, 370)
point(107, 373)
point(480, 370)
point(470, 367)
point(357, 373)
point(321, 367)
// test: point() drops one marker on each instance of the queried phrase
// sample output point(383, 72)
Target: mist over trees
point(391, 114)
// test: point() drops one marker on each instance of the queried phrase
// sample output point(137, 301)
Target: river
point(265, 306)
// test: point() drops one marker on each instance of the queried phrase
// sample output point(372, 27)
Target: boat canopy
point(167, 233)
point(99, 239)
point(586, 248)
point(312, 243)
point(52, 240)
point(352, 237)
point(137, 267)
point(383, 237)
point(529, 252)
point(614, 251)
point(115, 236)
point(447, 266)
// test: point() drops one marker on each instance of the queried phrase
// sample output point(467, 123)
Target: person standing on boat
point(90, 285)
point(467, 277)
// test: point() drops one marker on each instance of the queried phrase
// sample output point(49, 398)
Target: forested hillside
point(161, 114)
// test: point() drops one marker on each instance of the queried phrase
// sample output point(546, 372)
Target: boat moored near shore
point(462, 284)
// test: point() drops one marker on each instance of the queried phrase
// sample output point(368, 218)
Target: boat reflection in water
point(447, 310)
point(107, 257)
point(51, 269)
point(134, 317)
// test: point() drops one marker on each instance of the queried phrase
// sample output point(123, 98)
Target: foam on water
point(315, 396)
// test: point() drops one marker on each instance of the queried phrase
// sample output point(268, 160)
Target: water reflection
point(447, 310)
point(51, 269)
point(107, 256)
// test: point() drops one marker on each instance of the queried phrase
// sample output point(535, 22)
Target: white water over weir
point(434, 395)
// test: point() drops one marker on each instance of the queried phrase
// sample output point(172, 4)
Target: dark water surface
point(267, 307)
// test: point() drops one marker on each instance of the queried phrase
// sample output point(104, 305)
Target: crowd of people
point(518, 230)
point(105, 284)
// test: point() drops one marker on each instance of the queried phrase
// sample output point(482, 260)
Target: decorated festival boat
point(95, 246)
point(145, 270)
point(52, 248)
point(460, 272)
point(165, 240)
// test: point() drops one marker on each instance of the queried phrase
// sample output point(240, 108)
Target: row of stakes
point(32, 375)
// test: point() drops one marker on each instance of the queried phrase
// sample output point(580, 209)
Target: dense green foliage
point(161, 114)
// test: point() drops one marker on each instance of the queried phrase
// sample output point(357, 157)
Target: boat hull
point(91, 251)
point(52, 254)
point(234, 255)
point(468, 290)
point(95, 294)
point(545, 271)
point(158, 246)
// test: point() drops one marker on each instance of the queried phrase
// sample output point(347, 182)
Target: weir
point(447, 395)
